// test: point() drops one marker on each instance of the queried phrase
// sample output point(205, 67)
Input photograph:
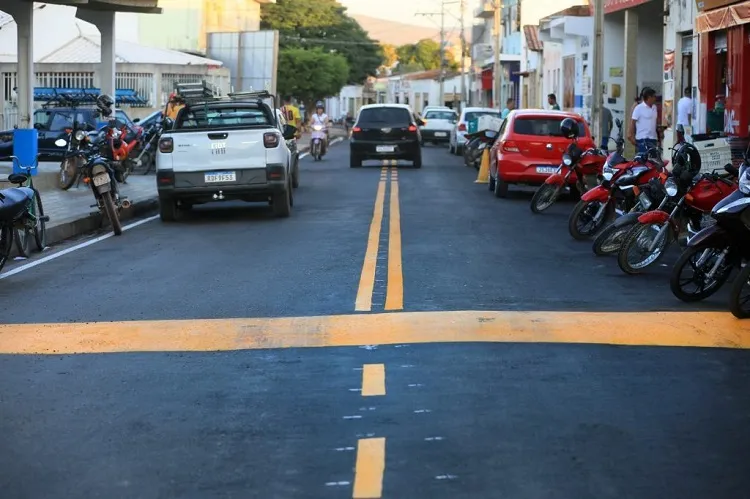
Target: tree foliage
point(390, 55)
point(323, 24)
point(423, 55)
point(311, 74)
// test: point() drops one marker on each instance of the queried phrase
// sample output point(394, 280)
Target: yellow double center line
point(394, 297)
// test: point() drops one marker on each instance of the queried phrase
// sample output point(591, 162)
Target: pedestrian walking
point(643, 132)
point(605, 128)
point(552, 101)
point(685, 108)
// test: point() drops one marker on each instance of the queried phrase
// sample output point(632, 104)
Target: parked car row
point(634, 208)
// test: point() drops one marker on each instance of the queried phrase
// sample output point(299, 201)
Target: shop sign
point(617, 5)
point(616, 72)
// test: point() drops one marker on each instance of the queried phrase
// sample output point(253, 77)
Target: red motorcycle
point(647, 240)
point(576, 165)
point(619, 188)
point(122, 143)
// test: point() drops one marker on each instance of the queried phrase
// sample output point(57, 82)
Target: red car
point(530, 146)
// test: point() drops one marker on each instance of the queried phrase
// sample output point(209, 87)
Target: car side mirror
point(167, 123)
point(421, 122)
point(38, 126)
point(289, 132)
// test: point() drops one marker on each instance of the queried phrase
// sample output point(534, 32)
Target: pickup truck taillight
point(166, 145)
point(270, 140)
point(462, 127)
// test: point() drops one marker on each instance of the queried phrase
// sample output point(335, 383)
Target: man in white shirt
point(685, 109)
point(643, 133)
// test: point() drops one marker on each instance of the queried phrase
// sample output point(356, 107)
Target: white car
point(438, 125)
point(221, 149)
point(458, 133)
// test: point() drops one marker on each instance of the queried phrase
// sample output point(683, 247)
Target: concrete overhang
point(556, 29)
point(140, 6)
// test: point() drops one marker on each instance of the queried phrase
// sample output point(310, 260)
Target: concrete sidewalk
point(70, 212)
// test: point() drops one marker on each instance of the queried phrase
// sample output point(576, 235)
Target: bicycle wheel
point(6, 243)
point(40, 229)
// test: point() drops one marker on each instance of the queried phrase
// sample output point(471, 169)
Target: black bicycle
point(21, 214)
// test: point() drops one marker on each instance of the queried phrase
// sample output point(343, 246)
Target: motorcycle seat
point(13, 202)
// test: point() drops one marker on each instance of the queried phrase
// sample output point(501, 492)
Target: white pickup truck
point(231, 148)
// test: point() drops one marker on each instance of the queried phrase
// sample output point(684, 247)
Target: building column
point(105, 21)
point(23, 14)
point(631, 71)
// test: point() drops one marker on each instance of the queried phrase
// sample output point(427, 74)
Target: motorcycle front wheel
point(544, 197)
point(634, 257)
point(739, 297)
point(609, 240)
point(697, 262)
point(111, 210)
point(6, 244)
point(68, 173)
point(581, 223)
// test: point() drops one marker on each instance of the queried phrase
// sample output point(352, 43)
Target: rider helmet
point(686, 163)
point(569, 128)
point(319, 105)
point(104, 103)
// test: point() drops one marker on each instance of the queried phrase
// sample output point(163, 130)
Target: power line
point(443, 3)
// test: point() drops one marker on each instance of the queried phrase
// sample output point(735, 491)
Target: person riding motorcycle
point(320, 118)
point(292, 115)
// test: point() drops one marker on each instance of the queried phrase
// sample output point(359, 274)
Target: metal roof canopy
point(140, 6)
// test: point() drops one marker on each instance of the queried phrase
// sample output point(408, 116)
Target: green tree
point(311, 74)
point(423, 55)
point(324, 24)
point(389, 55)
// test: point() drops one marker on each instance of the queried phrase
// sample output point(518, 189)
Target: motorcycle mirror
point(61, 143)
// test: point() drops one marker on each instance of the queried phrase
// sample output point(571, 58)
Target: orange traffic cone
point(483, 177)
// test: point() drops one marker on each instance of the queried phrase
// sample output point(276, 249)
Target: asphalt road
point(324, 355)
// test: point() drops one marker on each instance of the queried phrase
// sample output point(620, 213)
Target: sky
point(405, 10)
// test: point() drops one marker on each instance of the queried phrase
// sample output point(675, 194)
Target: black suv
point(386, 131)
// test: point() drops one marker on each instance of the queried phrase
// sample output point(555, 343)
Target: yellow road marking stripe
point(394, 295)
point(684, 329)
point(370, 467)
point(373, 380)
point(367, 278)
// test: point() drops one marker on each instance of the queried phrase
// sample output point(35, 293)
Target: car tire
point(491, 183)
point(501, 188)
point(450, 147)
point(354, 161)
point(295, 175)
point(417, 161)
point(282, 203)
point(168, 211)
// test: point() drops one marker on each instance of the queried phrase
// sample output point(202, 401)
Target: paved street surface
point(403, 335)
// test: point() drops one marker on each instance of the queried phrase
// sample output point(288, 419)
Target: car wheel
point(450, 147)
point(501, 188)
point(417, 161)
point(354, 161)
point(295, 175)
point(168, 209)
point(491, 183)
point(282, 203)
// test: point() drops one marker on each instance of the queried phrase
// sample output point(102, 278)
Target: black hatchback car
point(386, 131)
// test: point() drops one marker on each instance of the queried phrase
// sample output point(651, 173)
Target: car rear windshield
point(384, 116)
point(545, 127)
point(440, 115)
point(475, 115)
point(222, 117)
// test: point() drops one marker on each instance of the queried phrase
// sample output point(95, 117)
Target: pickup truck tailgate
point(220, 150)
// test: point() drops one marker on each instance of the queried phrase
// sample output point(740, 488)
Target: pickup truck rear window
point(545, 127)
point(224, 117)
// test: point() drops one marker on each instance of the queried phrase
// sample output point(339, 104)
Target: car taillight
point(412, 128)
point(510, 146)
point(462, 127)
point(166, 145)
point(270, 140)
point(356, 129)
point(165, 177)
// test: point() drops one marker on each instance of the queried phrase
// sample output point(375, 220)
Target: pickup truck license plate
point(214, 177)
point(546, 169)
point(101, 179)
point(385, 148)
point(441, 134)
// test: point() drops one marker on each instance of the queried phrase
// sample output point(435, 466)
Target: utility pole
point(443, 58)
point(463, 58)
point(497, 35)
point(598, 70)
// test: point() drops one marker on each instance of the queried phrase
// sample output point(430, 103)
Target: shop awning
point(723, 18)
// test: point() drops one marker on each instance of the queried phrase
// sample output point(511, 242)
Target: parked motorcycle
point(69, 166)
point(576, 165)
point(318, 136)
point(711, 254)
point(475, 146)
point(147, 155)
point(98, 173)
point(739, 296)
point(647, 241)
